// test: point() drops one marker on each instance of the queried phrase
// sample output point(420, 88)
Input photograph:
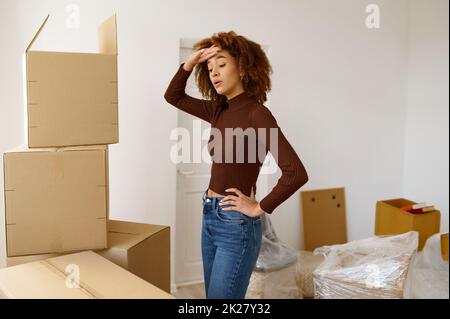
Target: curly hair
point(250, 58)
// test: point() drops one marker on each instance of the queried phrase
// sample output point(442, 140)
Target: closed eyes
point(219, 66)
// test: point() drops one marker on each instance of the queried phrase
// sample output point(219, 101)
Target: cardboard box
point(444, 246)
point(83, 275)
point(324, 217)
point(56, 200)
point(72, 97)
point(20, 260)
point(142, 249)
point(391, 220)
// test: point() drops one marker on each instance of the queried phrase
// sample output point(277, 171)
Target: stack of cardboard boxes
point(56, 188)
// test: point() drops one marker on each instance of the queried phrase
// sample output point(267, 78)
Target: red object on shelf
point(422, 210)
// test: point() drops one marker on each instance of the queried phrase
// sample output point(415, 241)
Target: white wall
point(11, 110)
point(339, 94)
point(426, 147)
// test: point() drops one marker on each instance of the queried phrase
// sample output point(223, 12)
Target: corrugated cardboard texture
point(324, 217)
point(391, 220)
point(142, 249)
point(55, 201)
point(72, 97)
point(98, 278)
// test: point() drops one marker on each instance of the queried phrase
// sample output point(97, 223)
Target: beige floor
point(196, 291)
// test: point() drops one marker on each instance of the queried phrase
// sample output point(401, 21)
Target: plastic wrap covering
point(273, 254)
point(370, 268)
point(306, 264)
point(428, 273)
point(278, 284)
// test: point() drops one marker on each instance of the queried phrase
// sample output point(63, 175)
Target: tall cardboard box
point(56, 199)
point(142, 249)
point(392, 220)
point(72, 97)
point(84, 275)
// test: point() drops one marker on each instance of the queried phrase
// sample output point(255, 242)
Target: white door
point(192, 180)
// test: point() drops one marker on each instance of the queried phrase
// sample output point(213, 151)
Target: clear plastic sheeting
point(306, 265)
point(273, 254)
point(428, 273)
point(371, 268)
point(274, 276)
point(277, 284)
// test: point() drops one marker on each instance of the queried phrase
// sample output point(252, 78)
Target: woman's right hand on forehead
point(200, 56)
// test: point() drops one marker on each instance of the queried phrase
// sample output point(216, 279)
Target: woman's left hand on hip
point(246, 205)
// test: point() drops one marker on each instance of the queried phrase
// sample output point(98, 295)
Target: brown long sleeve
point(242, 112)
point(175, 95)
point(293, 175)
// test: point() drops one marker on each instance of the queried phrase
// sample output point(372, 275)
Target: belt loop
point(216, 203)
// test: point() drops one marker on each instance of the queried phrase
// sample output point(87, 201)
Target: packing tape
point(64, 275)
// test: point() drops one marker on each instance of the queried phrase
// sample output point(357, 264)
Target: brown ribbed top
point(229, 170)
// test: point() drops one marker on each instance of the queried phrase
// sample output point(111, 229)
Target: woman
point(232, 73)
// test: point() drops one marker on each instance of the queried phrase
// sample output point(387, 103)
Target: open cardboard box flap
point(107, 35)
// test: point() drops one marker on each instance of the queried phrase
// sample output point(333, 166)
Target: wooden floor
point(196, 291)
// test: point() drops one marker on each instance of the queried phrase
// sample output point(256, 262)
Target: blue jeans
point(231, 242)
